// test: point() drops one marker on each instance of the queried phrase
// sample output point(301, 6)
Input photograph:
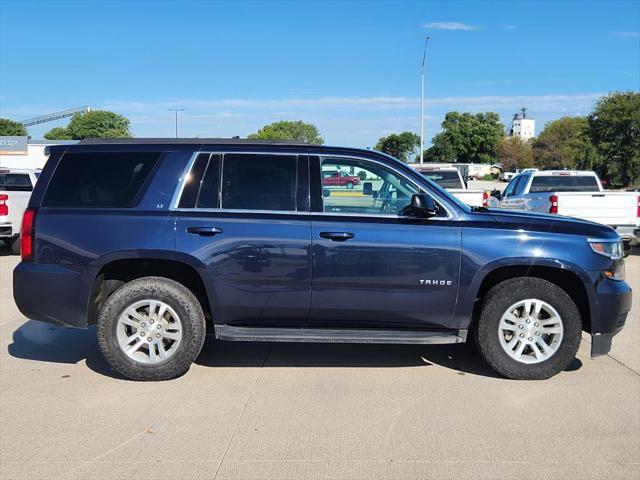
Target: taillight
point(4, 208)
point(553, 207)
point(485, 199)
point(27, 233)
point(638, 212)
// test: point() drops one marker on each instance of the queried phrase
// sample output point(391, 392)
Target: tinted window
point(445, 179)
point(259, 182)
point(564, 183)
point(208, 195)
point(194, 181)
point(98, 179)
point(15, 182)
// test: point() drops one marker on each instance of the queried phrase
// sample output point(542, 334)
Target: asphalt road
point(293, 411)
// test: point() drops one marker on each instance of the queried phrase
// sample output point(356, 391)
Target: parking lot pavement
point(311, 411)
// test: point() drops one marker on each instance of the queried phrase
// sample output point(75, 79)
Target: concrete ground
point(292, 411)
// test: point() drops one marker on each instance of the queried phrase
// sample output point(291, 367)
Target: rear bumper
point(51, 293)
point(614, 301)
point(6, 230)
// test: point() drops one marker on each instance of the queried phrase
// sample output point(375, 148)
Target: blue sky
point(352, 68)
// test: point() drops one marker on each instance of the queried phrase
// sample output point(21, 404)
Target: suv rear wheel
point(151, 328)
point(528, 329)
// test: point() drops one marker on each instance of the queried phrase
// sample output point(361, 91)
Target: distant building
point(35, 154)
point(522, 126)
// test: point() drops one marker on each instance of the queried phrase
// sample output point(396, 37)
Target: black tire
point(509, 292)
point(350, 185)
point(183, 302)
point(16, 245)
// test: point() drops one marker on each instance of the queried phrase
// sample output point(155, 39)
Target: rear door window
point(258, 182)
point(15, 182)
point(99, 179)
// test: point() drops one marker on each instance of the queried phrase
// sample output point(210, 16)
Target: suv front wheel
point(528, 329)
point(151, 328)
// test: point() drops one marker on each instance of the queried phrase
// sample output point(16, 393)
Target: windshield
point(564, 183)
point(444, 179)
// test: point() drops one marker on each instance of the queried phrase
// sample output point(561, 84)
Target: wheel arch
point(122, 267)
point(571, 278)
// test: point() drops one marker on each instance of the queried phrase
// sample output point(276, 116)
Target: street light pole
point(176, 110)
point(424, 57)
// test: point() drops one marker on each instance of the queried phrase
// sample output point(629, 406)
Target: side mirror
point(367, 188)
point(496, 194)
point(422, 205)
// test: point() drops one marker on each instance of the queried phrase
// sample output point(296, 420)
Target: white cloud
point(449, 26)
point(355, 121)
point(509, 27)
point(625, 33)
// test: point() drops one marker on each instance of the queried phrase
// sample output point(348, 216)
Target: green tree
point(565, 144)
point(614, 129)
point(399, 145)
point(58, 133)
point(10, 128)
point(98, 124)
point(286, 130)
point(467, 138)
point(514, 153)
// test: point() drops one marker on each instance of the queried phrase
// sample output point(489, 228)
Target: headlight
point(608, 249)
point(613, 250)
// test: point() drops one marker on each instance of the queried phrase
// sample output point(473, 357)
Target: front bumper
point(614, 300)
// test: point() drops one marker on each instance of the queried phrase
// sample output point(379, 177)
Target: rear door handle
point(204, 231)
point(337, 236)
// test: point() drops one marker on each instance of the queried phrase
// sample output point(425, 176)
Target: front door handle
point(204, 231)
point(337, 236)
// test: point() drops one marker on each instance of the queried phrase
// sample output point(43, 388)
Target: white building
point(35, 156)
point(524, 128)
point(521, 126)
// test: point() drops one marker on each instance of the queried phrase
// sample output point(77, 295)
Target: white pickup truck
point(16, 186)
point(450, 178)
point(576, 194)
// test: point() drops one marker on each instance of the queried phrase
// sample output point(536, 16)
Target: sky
point(351, 68)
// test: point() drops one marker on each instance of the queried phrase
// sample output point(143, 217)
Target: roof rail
point(186, 141)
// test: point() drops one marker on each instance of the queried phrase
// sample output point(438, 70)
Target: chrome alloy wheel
point(530, 331)
point(149, 331)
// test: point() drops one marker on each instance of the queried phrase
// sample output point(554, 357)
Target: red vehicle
point(337, 178)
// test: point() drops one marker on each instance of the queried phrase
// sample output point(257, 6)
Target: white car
point(450, 178)
point(16, 186)
point(576, 194)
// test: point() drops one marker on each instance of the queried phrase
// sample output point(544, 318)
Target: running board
point(317, 335)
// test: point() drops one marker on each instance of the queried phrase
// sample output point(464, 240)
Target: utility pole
point(176, 110)
point(424, 57)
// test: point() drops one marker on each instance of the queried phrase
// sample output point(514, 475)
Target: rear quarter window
point(99, 179)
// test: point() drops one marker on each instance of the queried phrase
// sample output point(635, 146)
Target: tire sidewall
point(505, 295)
point(180, 300)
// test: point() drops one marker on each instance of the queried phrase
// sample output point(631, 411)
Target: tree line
point(606, 141)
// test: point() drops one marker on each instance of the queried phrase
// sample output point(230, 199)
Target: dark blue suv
point(156, 240)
